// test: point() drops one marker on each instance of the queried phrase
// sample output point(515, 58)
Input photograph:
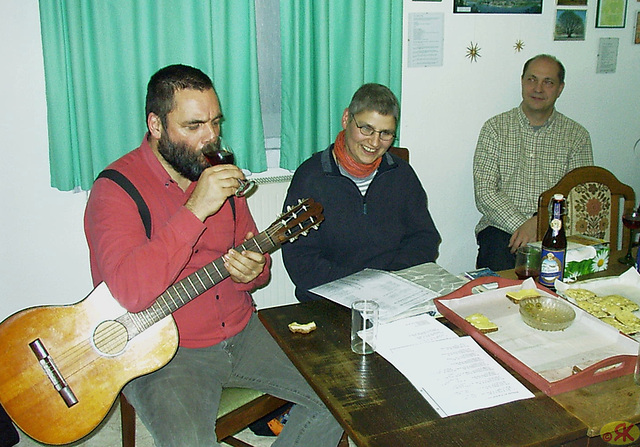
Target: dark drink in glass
point(219, 157)
point(527, 262)
point(222, 154)
point(631, 221)
point(524, 272)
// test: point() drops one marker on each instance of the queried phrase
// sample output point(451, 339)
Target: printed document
point(454, 374)
point(395, 295)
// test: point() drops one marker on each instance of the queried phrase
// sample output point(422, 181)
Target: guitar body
point(62, 367)
point(89, 356)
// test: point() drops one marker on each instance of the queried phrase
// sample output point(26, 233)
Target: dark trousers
point(8, 433)
point(494, 251)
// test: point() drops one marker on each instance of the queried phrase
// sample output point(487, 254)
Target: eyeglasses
point(367, 131)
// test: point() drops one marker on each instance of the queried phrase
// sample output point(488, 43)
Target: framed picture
point(611, 13)
point(637, 40)
point(497, 6)
point(573, 2)
point(570, 24)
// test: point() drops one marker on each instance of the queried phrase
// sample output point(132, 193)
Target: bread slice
point(621, 301)
point(302, 328)
point(481, 323)
point(521, 294)
point(580, 294)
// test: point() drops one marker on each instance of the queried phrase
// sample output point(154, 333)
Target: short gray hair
point(375, 98)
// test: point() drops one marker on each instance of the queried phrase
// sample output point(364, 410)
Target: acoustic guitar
point(62, 367)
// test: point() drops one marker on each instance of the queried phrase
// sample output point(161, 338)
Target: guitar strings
point(106, 339)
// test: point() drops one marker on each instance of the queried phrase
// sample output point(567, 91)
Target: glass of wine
point(528, 262)
point(632, 222)
point(222, 154)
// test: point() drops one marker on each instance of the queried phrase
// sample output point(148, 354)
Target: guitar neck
point(197, 283)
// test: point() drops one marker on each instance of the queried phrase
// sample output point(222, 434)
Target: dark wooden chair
point(401, 152)
point(239, 407)
point(594, 208)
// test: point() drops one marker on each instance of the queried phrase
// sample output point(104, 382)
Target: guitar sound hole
point(110, 337)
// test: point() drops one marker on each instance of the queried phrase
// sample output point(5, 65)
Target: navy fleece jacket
point(389, 228)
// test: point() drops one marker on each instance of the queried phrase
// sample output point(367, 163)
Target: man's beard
point(187, 162)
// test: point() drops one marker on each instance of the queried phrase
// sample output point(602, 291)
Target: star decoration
point(473, 52)
point(518, 46)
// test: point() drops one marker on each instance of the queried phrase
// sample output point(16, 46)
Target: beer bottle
point(554, 244)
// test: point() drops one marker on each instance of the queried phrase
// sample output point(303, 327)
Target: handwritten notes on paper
point(454, 374)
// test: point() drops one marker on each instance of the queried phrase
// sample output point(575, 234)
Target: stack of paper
point(454, 374)
point(395, 295)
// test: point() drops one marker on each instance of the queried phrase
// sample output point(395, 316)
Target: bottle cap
point(558, 197)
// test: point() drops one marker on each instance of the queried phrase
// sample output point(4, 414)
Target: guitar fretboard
point(197, 283)
point(296, 221)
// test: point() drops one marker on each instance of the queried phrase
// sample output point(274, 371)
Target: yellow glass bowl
point(546, 313)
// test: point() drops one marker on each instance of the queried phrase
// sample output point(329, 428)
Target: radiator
point(266, 205)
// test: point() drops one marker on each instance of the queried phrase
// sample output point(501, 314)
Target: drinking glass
point(528, 262)
point(632, 222)
point(364, 326)
point(223, 154)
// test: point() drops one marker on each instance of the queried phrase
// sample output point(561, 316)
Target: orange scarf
point(345, 160)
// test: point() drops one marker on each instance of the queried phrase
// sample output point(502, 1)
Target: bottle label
point(551, 267)
point(556, 224)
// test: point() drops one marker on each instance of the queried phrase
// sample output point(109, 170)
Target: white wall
point(44, 259)
point(443, 108)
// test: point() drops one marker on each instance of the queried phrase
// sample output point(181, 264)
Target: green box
point(585, 254)
point(577, 265)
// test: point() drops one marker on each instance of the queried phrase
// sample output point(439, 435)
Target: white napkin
point(579, 252)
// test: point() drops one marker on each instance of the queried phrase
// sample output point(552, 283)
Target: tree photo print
point(570, 24)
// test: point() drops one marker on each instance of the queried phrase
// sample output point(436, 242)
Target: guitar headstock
point(298, 220)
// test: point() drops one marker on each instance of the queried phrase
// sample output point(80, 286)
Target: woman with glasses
point(375, 208)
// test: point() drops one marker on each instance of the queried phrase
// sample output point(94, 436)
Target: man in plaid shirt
point(520, 154)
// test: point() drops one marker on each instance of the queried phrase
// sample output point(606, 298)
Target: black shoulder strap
point(233, 207)
point(119, 178)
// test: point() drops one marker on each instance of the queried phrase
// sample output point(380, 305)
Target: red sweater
point(137, 269)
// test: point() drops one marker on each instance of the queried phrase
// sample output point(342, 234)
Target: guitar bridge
point(53, 373)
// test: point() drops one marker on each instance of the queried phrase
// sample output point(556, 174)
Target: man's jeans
point(494, 251)
point(179, 402)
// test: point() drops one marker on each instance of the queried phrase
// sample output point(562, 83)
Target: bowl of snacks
point(547, 313)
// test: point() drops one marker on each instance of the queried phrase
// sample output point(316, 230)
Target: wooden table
point(378, 406)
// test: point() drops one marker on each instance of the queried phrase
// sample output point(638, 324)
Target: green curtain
point(100, 54)
point(329, 49)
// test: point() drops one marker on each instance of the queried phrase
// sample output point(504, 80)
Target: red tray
point(606, 369)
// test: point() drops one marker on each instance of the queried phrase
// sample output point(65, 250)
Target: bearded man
point(193, 222)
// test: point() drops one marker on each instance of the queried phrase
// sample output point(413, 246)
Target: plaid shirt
point(514, 163)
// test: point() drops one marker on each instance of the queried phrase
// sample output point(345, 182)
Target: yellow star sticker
point(519, 45)
point(473, 52)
